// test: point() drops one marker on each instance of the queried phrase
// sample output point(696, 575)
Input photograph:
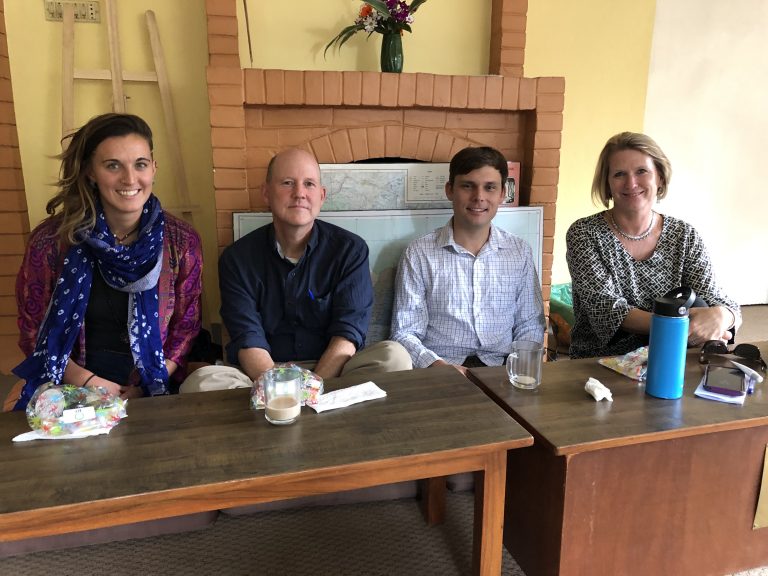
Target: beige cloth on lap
point(384, 356)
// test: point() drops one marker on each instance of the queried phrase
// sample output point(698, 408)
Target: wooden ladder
point(118, 76)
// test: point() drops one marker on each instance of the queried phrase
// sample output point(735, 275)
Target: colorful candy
point(311, 387)
point(59, 410)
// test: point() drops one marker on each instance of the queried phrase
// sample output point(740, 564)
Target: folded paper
point(598, 390)
point(39, 435)
point(348, 396)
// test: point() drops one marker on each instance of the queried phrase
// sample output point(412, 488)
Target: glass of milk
point(282, 395)
point(524, 364)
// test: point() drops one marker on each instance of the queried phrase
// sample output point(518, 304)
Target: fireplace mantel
point(406, 90)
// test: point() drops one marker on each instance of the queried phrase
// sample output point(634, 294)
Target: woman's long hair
point(76, 197)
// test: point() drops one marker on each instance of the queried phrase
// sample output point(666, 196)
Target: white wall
point(707, 107)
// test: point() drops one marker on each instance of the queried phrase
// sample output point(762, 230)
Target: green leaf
point(379, 6)
point(415, 5)
point(343, 36)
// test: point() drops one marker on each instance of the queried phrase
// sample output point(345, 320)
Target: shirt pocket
point(318, 312)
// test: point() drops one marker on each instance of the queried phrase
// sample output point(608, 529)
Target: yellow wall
point(34, 47)
point(449, 37)
point(602, 48)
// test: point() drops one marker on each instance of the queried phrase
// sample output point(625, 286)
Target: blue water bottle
point(668, 344)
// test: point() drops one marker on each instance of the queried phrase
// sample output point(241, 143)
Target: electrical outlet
point(84, 11)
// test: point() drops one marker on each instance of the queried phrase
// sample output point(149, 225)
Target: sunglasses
point(748, 354)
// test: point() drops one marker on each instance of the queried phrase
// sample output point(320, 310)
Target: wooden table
point(637, 486)
point(176, 455)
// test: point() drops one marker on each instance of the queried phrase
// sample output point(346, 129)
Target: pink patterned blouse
point(179, 292)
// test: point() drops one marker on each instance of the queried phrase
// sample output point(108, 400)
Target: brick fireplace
point(347, 116)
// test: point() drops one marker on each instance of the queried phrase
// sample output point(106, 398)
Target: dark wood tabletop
point(194, 452)
point(562, 415)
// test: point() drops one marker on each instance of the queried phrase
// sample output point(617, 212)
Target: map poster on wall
point(512, 197)
point(426, 182)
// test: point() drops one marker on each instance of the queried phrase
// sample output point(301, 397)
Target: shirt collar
point(311, 243)
point(445, 239)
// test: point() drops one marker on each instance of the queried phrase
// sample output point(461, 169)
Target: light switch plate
point(84, 11)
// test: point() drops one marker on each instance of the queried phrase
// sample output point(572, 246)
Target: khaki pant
point(384, 356)
point(13, 396)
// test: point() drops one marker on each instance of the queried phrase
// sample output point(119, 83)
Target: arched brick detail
point(347, 144)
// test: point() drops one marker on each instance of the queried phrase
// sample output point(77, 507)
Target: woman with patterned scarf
point(109, 289)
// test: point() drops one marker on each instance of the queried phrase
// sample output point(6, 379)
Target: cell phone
point(725, 381)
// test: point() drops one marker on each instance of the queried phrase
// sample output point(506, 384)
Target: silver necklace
point(642, 236)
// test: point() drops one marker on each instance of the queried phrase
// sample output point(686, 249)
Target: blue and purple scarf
point(134, 269)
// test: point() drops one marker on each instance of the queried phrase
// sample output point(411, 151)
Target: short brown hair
point(471, 158)
point(601, 191)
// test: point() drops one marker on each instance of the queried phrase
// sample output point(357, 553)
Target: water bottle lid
point(675, 303)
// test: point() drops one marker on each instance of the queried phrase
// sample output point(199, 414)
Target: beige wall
point(707, 109)
point(602, 47)
point(34, 47)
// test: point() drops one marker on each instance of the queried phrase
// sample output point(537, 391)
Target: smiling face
point(123, 169)
point(634, 182)
point(476, 197)
point(294, 193)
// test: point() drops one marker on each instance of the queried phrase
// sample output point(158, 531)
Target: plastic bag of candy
point(65, 410)
point(632, 364)
point(311, 386)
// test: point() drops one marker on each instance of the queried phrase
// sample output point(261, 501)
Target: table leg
point(489, 515)
point(433, 500)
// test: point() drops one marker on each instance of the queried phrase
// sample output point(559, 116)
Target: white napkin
point(37, 435)
point(598, 390)
point(348, 396)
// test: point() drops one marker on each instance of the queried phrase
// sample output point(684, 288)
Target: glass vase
point(392, 52)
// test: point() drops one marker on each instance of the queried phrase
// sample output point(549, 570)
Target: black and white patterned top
point(608, 282)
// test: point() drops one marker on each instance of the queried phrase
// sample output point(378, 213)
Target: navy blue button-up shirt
point(293, 311)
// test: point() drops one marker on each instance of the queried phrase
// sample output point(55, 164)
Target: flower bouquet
point(387, 17)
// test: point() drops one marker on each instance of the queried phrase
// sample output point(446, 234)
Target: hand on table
point(125, 392)
point(128, 392)
point(462, 369)
point(108, 385)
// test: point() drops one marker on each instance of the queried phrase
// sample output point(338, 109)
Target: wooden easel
point(117, 76)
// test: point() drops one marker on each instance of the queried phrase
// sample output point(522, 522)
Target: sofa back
point(388, 232)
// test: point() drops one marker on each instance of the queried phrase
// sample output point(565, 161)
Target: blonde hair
point(76, 197)
point(601, 191)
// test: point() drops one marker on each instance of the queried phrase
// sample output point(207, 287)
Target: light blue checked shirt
point(450, 304)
